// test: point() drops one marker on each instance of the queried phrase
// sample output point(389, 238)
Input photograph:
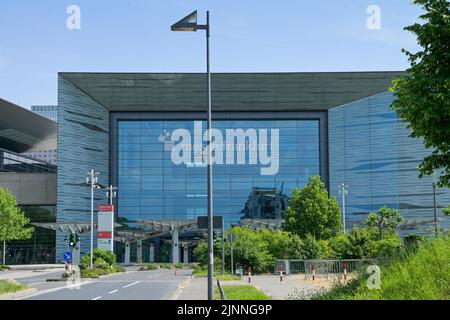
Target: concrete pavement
point(269, 284)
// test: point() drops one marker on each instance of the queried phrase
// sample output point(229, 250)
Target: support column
point(186, 253)
point(175, 247)
point(152, 253)
point(139, 251)
point(127, 252)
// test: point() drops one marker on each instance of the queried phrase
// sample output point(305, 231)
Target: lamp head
point(188, 23)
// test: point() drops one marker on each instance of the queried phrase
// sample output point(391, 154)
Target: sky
point(246, 36)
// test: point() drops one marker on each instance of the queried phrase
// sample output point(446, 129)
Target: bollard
point(345, 271)
point(176, 272)
point(313, 271)
point(281, 274)
point(249, 274)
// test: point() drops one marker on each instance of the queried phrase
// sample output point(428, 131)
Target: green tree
point(423, 94)
point(386, 220)
point(358, 244)
point(12, 220)
point(278, 243)
point(312, 212)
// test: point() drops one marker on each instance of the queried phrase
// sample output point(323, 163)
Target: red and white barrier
point(313, 272)
point(281, 274)
point(345, 271)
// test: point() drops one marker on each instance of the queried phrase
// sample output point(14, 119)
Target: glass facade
point(370, 150)
point(153, 187)
point(40, 248)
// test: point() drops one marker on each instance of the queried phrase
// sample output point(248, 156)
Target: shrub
point(412, 240)
point(101, 259)
point(311, 248)
point(150, 266)
point(3, 267)
point(386, 247)
point(179, 265)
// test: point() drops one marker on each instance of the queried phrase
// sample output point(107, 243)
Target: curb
point(18, 295)
point(70, 279)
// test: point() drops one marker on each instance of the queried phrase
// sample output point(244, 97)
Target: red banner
point(106, 208)
point(104, 234)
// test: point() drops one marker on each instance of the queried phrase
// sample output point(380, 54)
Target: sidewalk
point(196, 290)
point(277, 290)
point(269, 284)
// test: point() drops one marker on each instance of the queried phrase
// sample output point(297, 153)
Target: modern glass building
point(30, 180)
point(48, 111)
point(129, 127)
point(51, 113)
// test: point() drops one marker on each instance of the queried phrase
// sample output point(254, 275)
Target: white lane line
point(111, 292)
point(59, 288)
point(97, 298)
point(132, 284)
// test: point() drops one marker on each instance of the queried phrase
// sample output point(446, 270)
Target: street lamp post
point(92, 180)
point(434, 205)
point(111, 193)
point(189, 23)
point(343, 190)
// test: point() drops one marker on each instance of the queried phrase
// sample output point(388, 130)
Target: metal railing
point(19, 163)
point(322, 268)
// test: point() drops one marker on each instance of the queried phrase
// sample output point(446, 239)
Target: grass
point(244, 292)
point(203, 272)
point(417, 274)
point(7, 286)
point(156, 266)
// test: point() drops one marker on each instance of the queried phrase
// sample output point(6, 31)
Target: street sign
point(67, 256)
point(202, 222)
point(105, 229)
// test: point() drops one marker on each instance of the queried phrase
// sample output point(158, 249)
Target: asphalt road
point(132, 285)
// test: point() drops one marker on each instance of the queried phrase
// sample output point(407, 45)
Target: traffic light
point(77, 238)
point(72, 240)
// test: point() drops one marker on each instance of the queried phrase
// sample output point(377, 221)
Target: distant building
point(31, 181)
point(50, 112)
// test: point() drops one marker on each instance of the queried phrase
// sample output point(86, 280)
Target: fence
point(323, 268)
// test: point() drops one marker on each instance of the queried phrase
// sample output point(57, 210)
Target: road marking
point(132, 284)
point(111, 292)
point(97, 298)
point(59, 288)
point(180, 289)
